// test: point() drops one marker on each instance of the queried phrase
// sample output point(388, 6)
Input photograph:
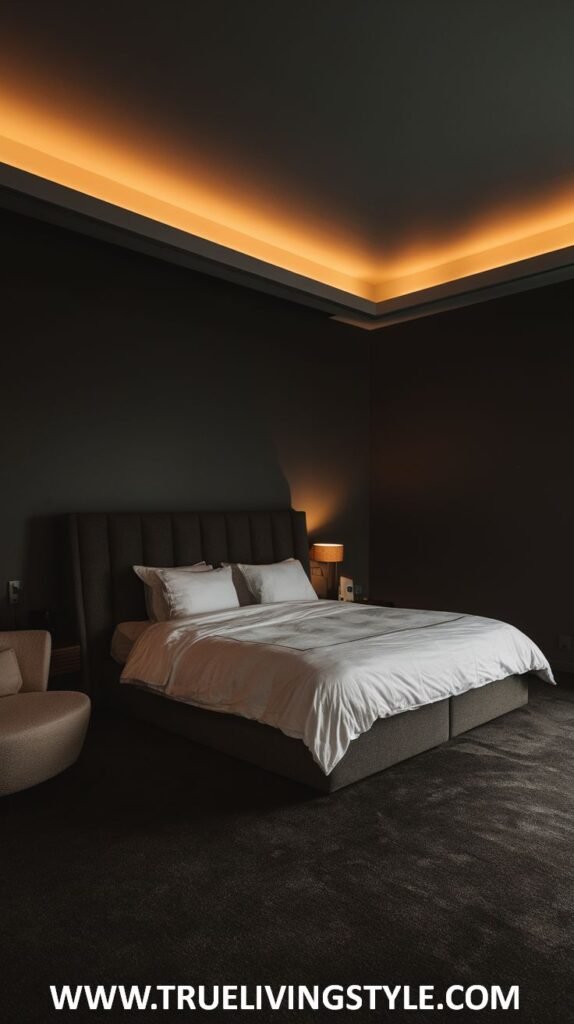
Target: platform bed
point(104, 549)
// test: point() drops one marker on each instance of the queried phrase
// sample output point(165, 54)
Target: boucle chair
point(41, 733)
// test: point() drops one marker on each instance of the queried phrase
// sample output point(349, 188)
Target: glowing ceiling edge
point(221, 243)
point(86, 182)
point(79, 211)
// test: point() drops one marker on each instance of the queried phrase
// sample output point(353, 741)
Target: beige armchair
point(41, 732)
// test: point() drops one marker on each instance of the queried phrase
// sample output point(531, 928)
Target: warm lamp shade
point(327, 552)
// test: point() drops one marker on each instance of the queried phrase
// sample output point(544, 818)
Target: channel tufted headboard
point(105, 546)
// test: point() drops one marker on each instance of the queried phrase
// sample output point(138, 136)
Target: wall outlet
point(14, 590)
point(564, 642)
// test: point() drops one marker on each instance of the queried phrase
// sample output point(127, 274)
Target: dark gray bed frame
point(105, 546)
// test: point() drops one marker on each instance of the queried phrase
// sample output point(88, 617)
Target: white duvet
point(323, 671)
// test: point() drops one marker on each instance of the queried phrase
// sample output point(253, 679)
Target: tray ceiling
point(371, 153)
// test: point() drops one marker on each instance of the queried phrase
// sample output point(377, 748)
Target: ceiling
point(380, 148)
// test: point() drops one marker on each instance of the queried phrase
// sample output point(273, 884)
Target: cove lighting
point(58, 148)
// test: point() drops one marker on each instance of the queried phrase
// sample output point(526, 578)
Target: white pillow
point(156, 608)
point(281, 581)
point(10, 676)
point(240, 583)
point(189, 593)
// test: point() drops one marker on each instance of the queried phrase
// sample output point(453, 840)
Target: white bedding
point(324, 671)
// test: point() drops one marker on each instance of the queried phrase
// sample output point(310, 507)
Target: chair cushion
point(41, 734)
point(32, 648)
point(10, 675)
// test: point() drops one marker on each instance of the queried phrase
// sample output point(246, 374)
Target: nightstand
point(65, 661)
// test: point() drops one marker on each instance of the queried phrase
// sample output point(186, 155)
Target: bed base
point(389, 741)
point(487, 702)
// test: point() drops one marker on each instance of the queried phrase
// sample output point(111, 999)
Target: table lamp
point(333, 555)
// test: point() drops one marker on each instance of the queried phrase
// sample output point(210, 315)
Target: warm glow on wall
point(40, 138)
point(323, 496)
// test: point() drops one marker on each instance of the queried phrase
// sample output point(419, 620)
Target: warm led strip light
point(99, 187)
point(508, 240)
point(56, 149)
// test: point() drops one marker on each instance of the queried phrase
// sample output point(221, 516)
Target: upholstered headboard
point(105, 546)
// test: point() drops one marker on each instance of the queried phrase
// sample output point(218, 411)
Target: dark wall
point(128, 383)
point(472, 462)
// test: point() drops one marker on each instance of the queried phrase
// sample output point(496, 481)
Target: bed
point(106, 546)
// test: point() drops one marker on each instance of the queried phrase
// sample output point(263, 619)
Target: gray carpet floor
point(157, 861)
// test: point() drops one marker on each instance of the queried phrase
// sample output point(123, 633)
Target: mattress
point(323, 671)
point(125, 636)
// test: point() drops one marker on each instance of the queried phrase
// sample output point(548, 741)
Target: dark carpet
point(157, 861)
